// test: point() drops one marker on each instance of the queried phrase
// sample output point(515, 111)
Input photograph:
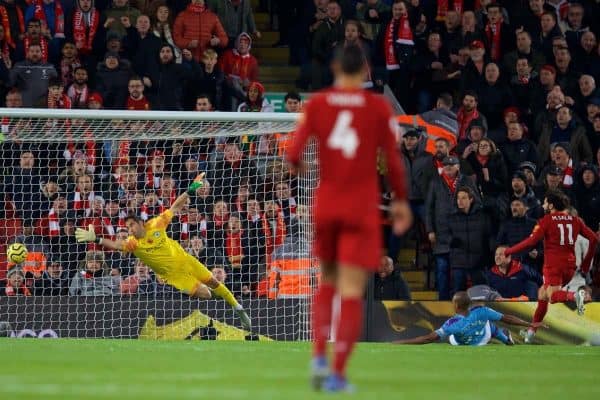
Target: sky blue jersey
point(472, 330)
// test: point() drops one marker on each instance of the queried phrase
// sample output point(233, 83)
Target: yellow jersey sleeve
point(162, 221)
point(130, 244)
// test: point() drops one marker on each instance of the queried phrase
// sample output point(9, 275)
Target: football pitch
point(219, 370)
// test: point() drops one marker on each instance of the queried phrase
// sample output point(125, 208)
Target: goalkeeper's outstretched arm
point(89, 235)
point(181, 201)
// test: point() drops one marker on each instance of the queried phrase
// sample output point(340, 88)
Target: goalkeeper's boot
point(335, 383)
point(244, 319)
point(319, 372)
point(528, 335)
point(580, 297)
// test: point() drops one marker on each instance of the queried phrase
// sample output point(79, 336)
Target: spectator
point(119, 12)
point(94, 278)
point(523, 85)
point(79, 91)
point(587, 92)
point(540, 94)
point(236, 17)
point(56, 97)
point(565, 129)
point(595, 135)
point(156, 170)
point(566, 76)
point(95, 101)
point(470, 240)
point(552, 178)
point(255, 100)
point(285, 201)
point(518, 227)
point(372, 16)
point(472, 74)
point(493, 96)
point(32, 75)
point(239, 67)
point(236, 247)
point(254, 224)
point(209, 256)
point(86, 27)
point(34, 35)
point(112, 77)
point(50, 224)
point(442, 114)
point(439, 205)
point(450, 32)
point(68, 63)
point(389, 284)
point(168, 80)
point(525, 50)
point(54, 281)
point(275, 229)
point(467, 113)
point(587, 191)
point(51, 15)
point(416, 162)
point(353, 36)
point(586, 54)
point(517, 149)
point(12, 15)
point(65, 248)
point(25, 183)
point(513, 279)
point(142, 47)
point(573, 26)
point(529, 169)
point(15, 283)
point(152, 206)
point(549, 30)
point(231, 172)
point(430, 69)
point(161, 17)
point(396, 39)
point(217, 224)
point(327, 36)
point(197, 28)
point(469, 32)
point(521, 190)
point(499, 35)
point(141, 282)
point(137, 100)
point(211, 81)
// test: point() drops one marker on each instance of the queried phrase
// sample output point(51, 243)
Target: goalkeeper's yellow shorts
point(186, 274)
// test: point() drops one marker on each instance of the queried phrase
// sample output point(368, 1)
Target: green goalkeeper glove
point(197, 184)
point(87, 235)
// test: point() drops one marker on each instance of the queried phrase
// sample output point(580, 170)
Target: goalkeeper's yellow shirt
point(158, 251)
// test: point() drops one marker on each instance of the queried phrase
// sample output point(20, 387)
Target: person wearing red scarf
point(15, 283)
point(443, 6)
point(51, 15)
point(13, 22)
point(34, 36)
point(234, 246)
point(85, 24)
point(467, 113)
point(56, 96)
point(498, 34)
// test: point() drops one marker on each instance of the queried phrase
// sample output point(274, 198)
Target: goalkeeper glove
point(83, 235)
point(197, 184)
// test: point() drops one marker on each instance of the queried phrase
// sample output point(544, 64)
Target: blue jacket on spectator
point(519, 279)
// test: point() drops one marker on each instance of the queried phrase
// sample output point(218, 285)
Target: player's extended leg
point(221, 290)
point(502, 335)
point(539, 314)
point(351, 284)
point(321, 322)
point(580, 297)
point(201, 292)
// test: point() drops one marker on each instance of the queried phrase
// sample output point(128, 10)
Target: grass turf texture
point(131, 369)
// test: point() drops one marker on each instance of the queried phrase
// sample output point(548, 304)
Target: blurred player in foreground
point(471, 326)
point(350, 126)
point(559, 230)
point(149, 242)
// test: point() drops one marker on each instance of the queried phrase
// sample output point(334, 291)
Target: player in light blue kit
point(471, 326)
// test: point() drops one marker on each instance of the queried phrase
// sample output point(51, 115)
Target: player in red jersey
point(350, 126)
point(559, 230)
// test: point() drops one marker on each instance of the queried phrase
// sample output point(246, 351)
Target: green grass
point(130, 369)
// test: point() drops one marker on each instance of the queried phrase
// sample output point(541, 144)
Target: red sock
point(540, 312)
point(561, 296)
point(321, 317)
point(349, 328)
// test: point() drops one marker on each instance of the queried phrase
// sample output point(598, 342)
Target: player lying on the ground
point(559, 230)
point(471, 326)
point(149, 242)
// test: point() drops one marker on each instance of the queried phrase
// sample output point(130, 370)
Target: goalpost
point(63, 169)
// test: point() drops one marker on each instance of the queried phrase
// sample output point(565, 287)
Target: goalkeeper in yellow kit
point(149, 242)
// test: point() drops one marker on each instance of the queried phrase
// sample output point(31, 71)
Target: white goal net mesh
point(249, 224)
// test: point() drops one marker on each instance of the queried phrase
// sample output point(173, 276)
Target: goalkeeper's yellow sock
point(226, 295)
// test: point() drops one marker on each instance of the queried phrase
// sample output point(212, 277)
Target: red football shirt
point(350, 125)
point(559, 232)
point(141, 104)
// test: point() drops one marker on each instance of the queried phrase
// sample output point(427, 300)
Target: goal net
point(249, 224)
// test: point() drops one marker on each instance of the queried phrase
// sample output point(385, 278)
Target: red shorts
point(557, 276)
point(344, 242)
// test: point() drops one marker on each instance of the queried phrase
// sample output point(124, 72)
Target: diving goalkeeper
point(149, 242)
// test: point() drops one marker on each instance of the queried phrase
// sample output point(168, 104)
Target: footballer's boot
point(318, 372)
point(580, 298)
point(510, 341)
point(527, 335)
point(244, 318)
point(335, 383)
